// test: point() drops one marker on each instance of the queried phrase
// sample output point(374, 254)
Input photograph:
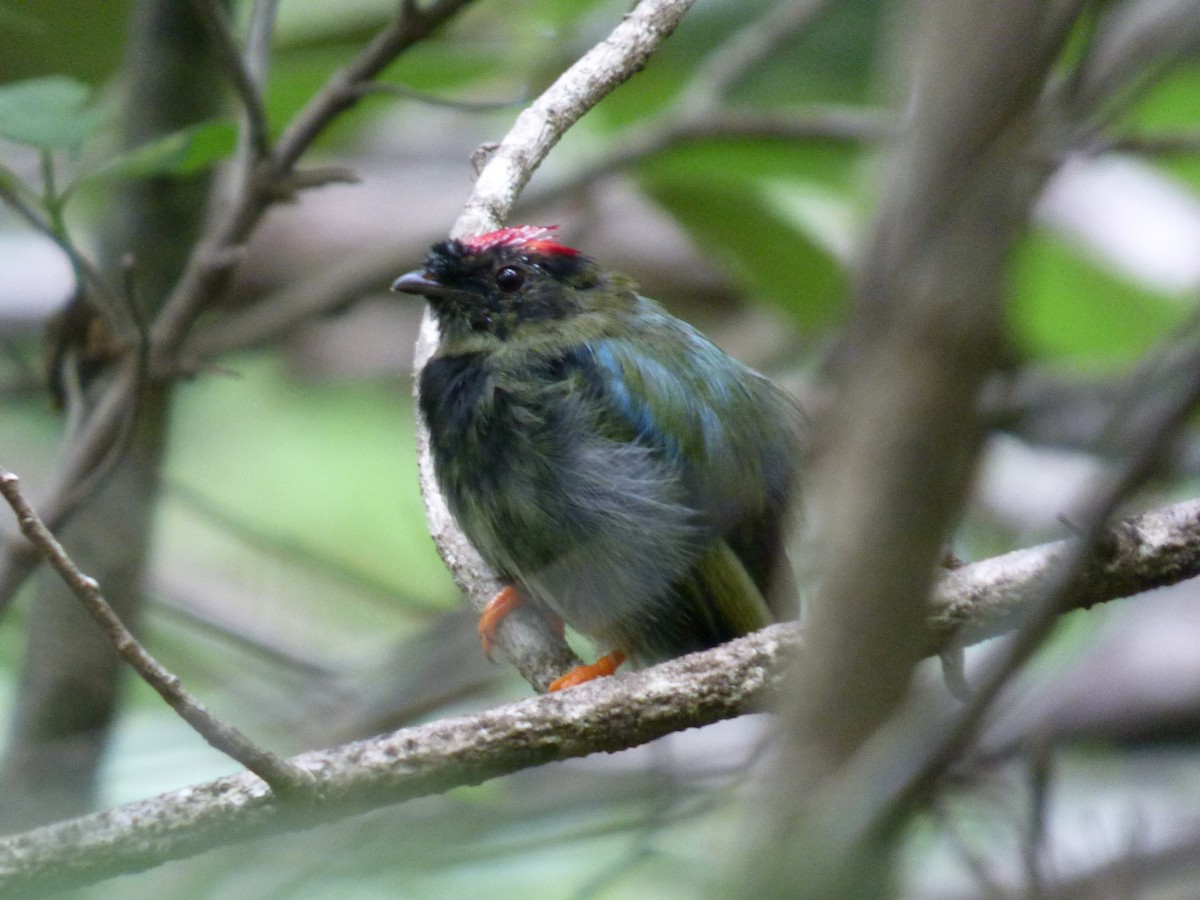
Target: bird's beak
point(418, 282)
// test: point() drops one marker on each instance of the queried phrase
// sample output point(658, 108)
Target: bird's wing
point(728, 436)
point(728, 433)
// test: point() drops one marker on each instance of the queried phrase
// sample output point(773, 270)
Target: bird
point(613, 466)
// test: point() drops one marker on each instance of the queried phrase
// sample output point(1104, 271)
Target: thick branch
point(606, 716)
point(1155, 549)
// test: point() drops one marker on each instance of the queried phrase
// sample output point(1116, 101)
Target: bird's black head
point(500, 283)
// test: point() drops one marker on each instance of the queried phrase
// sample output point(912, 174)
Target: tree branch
point(214, 259)
point(216, 21)
point(279, 774)
point(975, 602)
point(588, 81)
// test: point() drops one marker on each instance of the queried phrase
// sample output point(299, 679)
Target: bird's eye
point(509, 279)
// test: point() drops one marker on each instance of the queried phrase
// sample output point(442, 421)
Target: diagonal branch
point(281, 775)
point(588, 81)
point(343, 89)
point(248, 88)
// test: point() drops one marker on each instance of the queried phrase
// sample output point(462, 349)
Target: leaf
point(182, 152)
point(51, 113)
point(1169, 107)
point(10, 180)
point(1068, 308)
point(744, 202)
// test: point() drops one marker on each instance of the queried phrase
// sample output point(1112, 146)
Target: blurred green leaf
point(834, 60)
point(778, 232)
point(352, 448)
point(831, 61)
point(770, 253)
point(62, 37)
point(52, 113)
point(825, 162)
point(1068, 308)
point(317, 20)
point(1171, 102)
point(183, 152)
point(21, 23)
point(820, 213)
point(9, 179)
point(1170, 107)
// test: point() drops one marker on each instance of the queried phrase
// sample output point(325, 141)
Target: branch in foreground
point(981, 600)
point(277, 772)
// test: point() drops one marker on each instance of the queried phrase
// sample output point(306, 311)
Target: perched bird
point(608, 461)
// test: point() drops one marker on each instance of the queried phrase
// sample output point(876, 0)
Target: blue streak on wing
point(676, 399)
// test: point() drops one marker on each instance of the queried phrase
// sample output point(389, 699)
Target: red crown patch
point(534, 238)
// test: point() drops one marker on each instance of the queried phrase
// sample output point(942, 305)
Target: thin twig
point(94, 448)
point(734, 58)
point(256, 57)
point(257, 54)
point(400, 90)
point(281, 775)
point(247, 87)
point(83, 267)
point(1033, 844)
point(340, 92)
point(1134, 45)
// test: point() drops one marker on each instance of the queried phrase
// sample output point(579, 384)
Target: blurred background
point(290, 579)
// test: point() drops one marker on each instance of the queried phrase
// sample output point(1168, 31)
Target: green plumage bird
point(613, 465)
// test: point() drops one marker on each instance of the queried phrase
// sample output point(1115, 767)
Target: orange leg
point(497, 608)
point(605, 665)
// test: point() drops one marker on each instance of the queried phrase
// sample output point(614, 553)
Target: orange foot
point(605, 665)
point(494, 612)
point(497, 608)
